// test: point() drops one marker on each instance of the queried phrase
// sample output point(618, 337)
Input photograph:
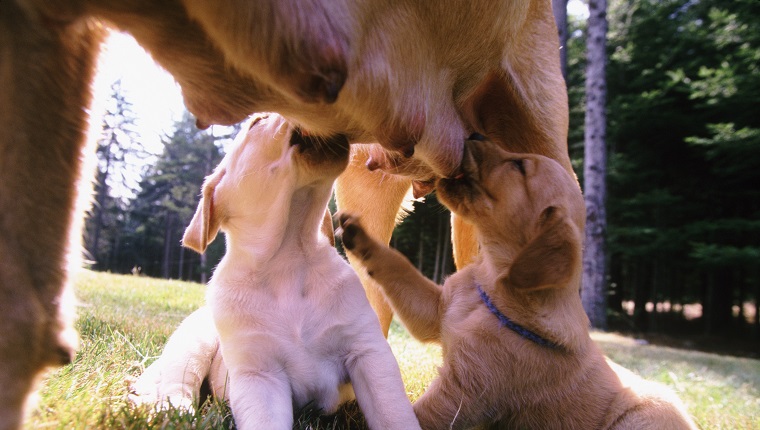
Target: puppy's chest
point(296, 315)
point(305, 330)
point(467, 320)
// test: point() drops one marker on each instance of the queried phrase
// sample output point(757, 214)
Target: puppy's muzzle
point(320, 149)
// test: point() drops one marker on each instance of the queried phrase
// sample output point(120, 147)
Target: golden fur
point(375, 70)
point(528, 215)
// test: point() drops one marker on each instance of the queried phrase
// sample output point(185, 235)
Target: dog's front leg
point(261, 400)
point(378, 216)
point(379, 390)
point(415, 298)
point(45, 78)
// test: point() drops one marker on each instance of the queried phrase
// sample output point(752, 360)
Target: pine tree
point(120, 157)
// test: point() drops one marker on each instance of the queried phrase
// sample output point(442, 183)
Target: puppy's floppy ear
point(205, 223)
point(550, 259)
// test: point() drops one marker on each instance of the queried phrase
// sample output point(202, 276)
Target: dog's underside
point(331, 66)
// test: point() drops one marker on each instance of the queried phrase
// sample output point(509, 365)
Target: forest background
point(683, 204)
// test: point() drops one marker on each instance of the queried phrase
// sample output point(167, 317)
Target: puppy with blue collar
point(515, 338)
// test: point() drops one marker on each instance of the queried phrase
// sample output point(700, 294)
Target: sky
point(155, 96)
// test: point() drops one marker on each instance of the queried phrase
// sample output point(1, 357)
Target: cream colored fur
point(403, 75)
point(528, 215)
point(190, 357)
point(293, 321)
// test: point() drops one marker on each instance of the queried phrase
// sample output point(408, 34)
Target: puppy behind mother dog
point(374, 70)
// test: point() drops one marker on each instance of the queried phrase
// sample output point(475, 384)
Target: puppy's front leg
point(415, 298)
point(261, 400)
point(376, 380)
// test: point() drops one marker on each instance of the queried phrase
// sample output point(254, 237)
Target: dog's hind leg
point(377, 197)
point(189, 356)
point(45, 76)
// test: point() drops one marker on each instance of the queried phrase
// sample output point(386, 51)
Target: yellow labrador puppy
point(516, 347)
point(294, 323)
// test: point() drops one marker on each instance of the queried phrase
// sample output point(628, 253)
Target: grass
point(124, 322)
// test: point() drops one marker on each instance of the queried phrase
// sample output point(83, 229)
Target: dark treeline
point(683, 207)
point(142, 235)
point(683, 140)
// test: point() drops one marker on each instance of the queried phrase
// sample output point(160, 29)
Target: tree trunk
point(595, 167)
point(717, 308)
point(165, 267)
point(204, 273)
point(100, 203)
point(560, 16)
point(420, 252)
point(181, 264)
point(641, 297)
point(756, 321)
point(114, 255)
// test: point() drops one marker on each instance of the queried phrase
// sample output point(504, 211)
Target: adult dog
point(374, 70)
point(294, 323)
point(516, 347)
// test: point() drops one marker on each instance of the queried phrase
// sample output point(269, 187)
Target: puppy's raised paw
point(354, 238)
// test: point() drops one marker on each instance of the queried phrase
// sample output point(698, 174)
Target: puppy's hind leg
point(446, 406)
point(187, 359)
point(415, 298)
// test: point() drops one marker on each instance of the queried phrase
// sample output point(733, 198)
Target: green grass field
point(124, 322)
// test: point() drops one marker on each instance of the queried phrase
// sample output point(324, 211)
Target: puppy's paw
point(150, 391)
point(354, 238)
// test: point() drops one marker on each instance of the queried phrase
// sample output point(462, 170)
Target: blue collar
point(517, 328)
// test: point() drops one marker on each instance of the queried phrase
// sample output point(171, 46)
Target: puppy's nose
point(471, 159)
point(297, 137)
